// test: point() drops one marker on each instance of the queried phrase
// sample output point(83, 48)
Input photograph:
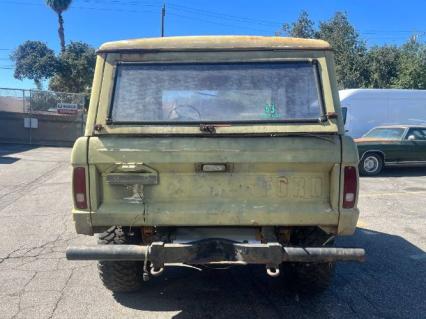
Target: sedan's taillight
point(350, 187)
point(79, 187)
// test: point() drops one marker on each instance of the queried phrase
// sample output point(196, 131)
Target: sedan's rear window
point(214, 93)
point(386, 133)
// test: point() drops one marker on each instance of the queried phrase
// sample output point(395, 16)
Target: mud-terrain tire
point(311, 278)
point(119, 276)
point(371, 164)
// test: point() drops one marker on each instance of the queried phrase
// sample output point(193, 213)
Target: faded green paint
point(286, 176)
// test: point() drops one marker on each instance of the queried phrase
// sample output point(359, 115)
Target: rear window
point(386, 133)
point(214, 93)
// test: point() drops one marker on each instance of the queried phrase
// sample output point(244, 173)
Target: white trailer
point(367, 108)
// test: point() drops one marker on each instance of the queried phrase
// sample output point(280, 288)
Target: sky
point(98, 21)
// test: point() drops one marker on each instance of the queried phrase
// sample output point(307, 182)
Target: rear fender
point(81, 217)
point(348, 218)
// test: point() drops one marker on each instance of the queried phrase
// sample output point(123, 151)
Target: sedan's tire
point(371, 164)
point(119, 276)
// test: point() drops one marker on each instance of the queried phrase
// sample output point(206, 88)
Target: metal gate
point(41, 117)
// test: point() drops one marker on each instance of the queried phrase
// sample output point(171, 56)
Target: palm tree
point(60, 6)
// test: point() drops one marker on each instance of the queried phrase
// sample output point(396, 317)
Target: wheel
point(313, 277)
point(371, 164)
point(310, 278)
point(119, 276)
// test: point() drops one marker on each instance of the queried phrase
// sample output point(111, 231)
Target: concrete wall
point(53, 129)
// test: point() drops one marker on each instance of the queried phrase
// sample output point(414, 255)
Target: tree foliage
point(34, 61)
point(303, 27)
point(412, 66)
point(59, 6)
point(383, 65)
point(350, 51)
point(76, 68)
point(358, 66)
point(72, 71)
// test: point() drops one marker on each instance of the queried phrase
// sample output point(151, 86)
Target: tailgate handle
point(132, 178)
point(130, 174)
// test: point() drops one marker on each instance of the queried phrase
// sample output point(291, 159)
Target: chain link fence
point(41, 117)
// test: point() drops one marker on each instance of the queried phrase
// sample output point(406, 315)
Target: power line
point(193, 13)
point(84, 8)
point(188, 10)
point(23, 3)
point(118, 2)
point(224, 16)
point(197, 11)
point(396, 33)
point(216, 23)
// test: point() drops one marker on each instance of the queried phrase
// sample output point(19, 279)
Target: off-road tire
point(311, 278)
point(119, 276)
point(376, 165)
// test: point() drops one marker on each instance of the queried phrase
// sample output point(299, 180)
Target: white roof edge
point(344, 94)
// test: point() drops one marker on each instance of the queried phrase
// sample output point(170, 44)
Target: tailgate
point(268, 180)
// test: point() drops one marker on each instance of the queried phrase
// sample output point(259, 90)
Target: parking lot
point(36, 281)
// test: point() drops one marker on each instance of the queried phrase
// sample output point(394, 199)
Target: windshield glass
point(201, 93)
point(386, 133)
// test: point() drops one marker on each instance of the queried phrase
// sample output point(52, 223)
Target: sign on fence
point(30, 122)
point(67, 108)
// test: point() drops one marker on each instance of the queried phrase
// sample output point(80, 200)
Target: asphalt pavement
point(36, 281)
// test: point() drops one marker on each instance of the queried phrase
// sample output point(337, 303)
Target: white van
point(367, 108)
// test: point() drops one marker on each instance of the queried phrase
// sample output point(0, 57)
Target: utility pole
point(163, 14)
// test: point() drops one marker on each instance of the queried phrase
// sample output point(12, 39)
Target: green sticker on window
point(270, 111)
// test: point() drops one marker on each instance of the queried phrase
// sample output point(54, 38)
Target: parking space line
point(361, 223)
point(369, 194)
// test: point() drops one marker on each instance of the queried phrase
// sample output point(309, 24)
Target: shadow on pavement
point(391, 284)
point(8, 149)
point(394, 171)
point(8, 160)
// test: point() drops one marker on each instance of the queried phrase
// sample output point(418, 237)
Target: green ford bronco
point(215, 150)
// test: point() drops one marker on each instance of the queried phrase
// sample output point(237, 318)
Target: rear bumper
point(213, 251)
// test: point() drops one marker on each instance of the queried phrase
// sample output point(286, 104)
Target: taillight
point(79, 187)
point(349, 187)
